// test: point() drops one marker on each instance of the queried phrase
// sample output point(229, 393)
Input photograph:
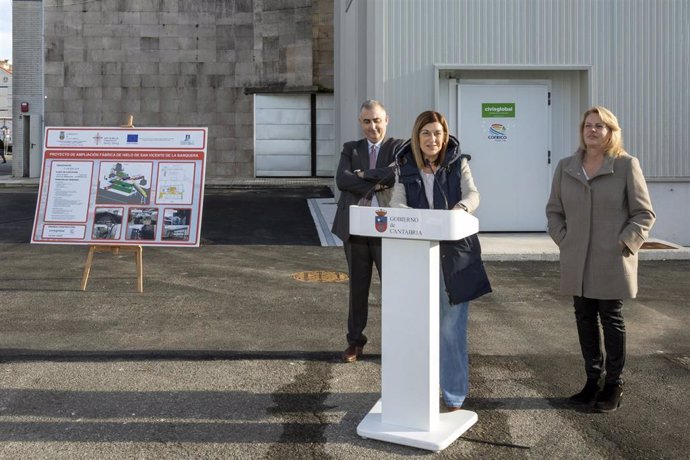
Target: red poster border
point(191, 155)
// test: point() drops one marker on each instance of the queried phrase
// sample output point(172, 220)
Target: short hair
point(422, 120)
point(614, 145)
point(372, 103)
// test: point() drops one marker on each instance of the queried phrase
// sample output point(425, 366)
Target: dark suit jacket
point(355, 155)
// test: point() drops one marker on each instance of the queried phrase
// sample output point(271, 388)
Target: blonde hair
point(614, 144)
point(422, 120)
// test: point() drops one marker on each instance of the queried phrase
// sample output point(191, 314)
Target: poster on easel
point(121, 186)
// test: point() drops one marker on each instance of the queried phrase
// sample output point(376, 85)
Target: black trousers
point(362, 253)
point(587, 314)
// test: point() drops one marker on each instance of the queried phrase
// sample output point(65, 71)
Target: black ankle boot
point(610, 398)
point(588, 393)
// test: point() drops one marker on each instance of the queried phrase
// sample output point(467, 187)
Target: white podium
point(408, 411)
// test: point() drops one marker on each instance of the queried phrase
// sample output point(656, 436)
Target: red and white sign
point(121, 186)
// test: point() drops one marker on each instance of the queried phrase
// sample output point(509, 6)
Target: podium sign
point(408, 411)
point(414, 224)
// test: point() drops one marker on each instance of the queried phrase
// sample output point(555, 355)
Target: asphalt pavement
point(227, 355)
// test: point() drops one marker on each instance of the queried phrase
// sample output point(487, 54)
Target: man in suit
point(365, 176)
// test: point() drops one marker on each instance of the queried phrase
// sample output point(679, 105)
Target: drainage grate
point(320, 277)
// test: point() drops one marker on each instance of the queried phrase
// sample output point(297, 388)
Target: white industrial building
point(538, 64)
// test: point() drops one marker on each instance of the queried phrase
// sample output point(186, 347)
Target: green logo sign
point(498, 110)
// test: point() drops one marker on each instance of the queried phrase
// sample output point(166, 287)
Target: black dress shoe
point(610, 398)
point(588, 394)
point(352, 354)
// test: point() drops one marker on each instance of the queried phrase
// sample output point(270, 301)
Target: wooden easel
point(138, 254)
point(129, 123)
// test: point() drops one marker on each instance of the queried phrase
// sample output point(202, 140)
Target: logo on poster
point(187, 140)
point(497, 132)
point(381, 221)
point(97, 138)
point(62, 135)
point(132, 138)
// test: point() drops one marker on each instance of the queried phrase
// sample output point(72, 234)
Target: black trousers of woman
point(587, 314)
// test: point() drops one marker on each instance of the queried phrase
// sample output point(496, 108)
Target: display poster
point(121, 186)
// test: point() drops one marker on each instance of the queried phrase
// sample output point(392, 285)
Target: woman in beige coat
point(599, 214)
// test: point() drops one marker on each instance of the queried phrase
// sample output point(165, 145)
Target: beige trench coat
point(599, 225)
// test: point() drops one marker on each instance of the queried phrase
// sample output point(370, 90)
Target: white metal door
point(505, 127)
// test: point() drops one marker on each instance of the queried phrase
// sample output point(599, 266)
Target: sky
point(6, 30)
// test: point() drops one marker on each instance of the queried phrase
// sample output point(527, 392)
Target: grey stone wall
point(183, 63)
point(322, 36)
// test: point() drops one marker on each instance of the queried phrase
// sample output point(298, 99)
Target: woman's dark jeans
point(587, 314)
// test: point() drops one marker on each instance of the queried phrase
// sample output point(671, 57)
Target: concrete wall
point(322, 42)
point(183, 63)
point(27, 86)
point(670, 201)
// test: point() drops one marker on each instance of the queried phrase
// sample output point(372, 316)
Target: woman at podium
point(433, 174)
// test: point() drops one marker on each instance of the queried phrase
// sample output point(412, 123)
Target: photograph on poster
point(142, 224)
point(175, 183)
point(107, 223)
point(176, 224)
point(124, 182)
